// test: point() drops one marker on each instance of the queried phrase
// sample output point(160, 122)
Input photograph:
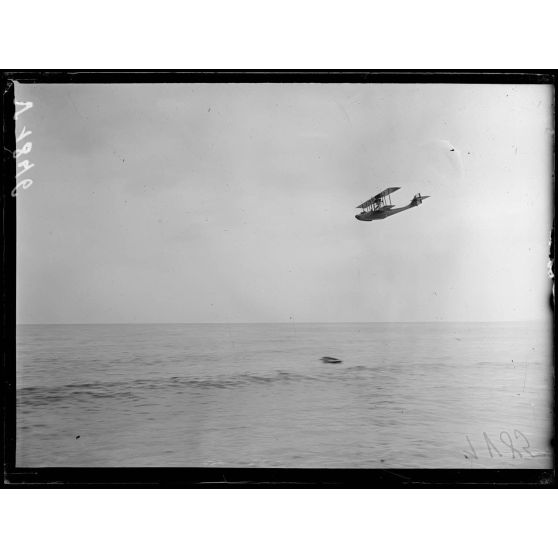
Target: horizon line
point(287, 322)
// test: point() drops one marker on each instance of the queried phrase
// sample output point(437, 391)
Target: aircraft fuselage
point(381, 213)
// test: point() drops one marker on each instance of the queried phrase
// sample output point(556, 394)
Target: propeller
point(418, 198)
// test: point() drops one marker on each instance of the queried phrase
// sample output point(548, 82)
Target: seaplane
point(380, 207)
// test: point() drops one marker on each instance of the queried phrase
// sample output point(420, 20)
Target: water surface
point(258, 395)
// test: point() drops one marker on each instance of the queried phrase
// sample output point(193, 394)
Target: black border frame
point(157, 477)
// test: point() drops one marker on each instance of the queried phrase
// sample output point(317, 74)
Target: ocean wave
point(133, 389)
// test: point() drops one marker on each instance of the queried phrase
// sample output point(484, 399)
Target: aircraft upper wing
point(383, 193)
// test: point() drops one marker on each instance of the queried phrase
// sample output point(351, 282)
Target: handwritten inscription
point(23, 149)
point(506, 446)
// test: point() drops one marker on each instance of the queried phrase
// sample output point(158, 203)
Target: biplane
point(380, 207)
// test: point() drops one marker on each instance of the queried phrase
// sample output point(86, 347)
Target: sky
point(235, 203)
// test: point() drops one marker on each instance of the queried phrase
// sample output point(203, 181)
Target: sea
point(405, 395)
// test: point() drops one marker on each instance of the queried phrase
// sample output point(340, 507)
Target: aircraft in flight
point(377, 207)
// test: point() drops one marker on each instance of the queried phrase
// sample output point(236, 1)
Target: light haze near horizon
point(236, 203)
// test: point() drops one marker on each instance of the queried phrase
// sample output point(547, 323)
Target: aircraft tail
point(417, 200)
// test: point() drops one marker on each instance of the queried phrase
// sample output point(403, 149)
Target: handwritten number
point(507, 440)
point(23, 150)
point(26, 106)
point(24, 134)
point(24, 184)
point(524, 448)
point(490, 444)
point(26, 166)
point(509, 443)
point(467, 453)
point(27, 147)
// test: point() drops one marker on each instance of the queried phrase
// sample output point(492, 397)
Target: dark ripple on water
point(131, 390)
